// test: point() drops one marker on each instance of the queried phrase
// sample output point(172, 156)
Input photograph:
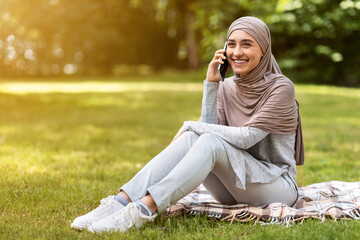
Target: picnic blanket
point(335, 200)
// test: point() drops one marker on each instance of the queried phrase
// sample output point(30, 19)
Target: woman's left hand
point(177, 135)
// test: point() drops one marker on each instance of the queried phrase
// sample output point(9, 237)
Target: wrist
point(212, 81)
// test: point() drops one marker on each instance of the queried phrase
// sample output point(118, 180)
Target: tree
point(84, 37)
point(316, 40)
point(313, 40)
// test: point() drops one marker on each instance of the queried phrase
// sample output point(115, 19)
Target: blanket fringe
point(245, 216)
point(355, 214)
point(240, 216)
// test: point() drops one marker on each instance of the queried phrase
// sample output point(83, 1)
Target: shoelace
point(104, 204)
point(121, 217)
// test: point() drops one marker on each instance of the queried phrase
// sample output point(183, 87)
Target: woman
point(244, 149)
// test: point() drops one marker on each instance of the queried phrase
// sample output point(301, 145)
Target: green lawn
point(63, 147)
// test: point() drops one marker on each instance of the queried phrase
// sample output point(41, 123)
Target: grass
point(61, 151)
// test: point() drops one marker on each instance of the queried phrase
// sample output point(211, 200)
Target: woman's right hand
point(213, 74)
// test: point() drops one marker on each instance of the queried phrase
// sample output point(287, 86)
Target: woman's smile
point(239, 62)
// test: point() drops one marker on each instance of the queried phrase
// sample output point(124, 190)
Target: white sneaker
point(121, 221)
point(107, 207)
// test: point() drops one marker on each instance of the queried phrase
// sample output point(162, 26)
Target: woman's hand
point(177, 135)
point(213, 74)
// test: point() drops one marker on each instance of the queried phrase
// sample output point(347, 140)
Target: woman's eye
point(231, 44)
point(247, 44)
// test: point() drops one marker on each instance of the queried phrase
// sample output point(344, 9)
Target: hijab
point(266, 96)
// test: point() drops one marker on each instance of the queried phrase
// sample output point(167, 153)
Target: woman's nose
point(238, 51)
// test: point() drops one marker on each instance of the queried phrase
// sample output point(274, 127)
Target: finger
point(217, 62)
point(219, 55)
point(220, 52)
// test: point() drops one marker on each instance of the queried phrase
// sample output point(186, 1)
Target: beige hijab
point(266, 97)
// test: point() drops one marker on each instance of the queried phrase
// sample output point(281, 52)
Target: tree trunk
point(193, 58)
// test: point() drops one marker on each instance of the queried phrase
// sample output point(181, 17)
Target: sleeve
point(208, 109)
point(239, 137)
point(220, 106)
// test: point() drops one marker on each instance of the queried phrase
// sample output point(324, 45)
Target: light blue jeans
point(191, 160)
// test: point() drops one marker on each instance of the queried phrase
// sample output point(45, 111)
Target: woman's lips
point(239, 62)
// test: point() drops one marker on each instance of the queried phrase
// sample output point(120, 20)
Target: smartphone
point(223, 67)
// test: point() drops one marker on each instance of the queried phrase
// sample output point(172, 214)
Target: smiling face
point(243, 52)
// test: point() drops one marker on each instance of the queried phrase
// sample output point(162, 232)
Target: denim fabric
point(192, 160)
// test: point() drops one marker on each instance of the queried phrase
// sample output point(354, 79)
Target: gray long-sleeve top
point(254, 154)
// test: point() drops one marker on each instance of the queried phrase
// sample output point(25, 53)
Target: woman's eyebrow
point(242, 40)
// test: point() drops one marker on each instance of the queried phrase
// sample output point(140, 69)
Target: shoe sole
point(78, 227)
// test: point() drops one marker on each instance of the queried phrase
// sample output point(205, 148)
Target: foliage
point(62, 151)
point(84, 37)
point(317, 40)
point(313, 40)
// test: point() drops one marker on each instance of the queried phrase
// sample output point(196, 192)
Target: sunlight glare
point(85, 87)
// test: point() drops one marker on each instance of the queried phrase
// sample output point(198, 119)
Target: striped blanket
point(335, 199)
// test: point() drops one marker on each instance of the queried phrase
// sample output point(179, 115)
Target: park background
point(90, 90)
point(314, 41)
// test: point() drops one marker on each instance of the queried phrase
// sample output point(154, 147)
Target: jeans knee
point(212, 145)
point(191, 136)
point(212, 141)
